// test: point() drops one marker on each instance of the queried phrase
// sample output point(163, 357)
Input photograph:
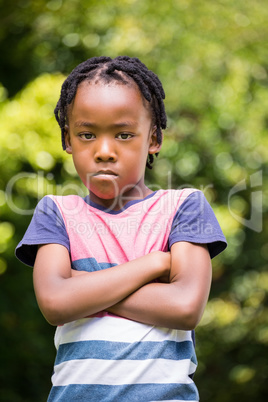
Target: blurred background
point(212, 58)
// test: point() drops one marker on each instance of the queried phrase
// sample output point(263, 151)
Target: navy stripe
point(124, 393)
point(90, 265)
point(125, 351)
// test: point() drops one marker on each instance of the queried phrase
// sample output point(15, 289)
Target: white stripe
point(159, 371)
point(115, 329)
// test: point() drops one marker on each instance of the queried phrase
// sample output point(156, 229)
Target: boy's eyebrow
point(119, 124)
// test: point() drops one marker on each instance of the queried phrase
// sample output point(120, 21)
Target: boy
point(123, 272)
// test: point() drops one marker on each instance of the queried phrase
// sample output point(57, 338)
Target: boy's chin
point(104, 198)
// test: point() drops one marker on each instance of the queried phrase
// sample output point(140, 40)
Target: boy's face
point(109, 135)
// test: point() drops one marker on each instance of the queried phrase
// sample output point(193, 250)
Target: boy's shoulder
point(61, 203)
point(64, 199)
point(170, 200)
point(179, 191)
point(177, 194)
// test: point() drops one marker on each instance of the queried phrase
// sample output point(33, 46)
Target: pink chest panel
point(141, 228)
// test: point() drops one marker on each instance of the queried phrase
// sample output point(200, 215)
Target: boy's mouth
point(105, 173)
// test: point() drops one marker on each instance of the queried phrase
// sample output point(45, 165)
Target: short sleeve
point(47, 226)
point(196, 222)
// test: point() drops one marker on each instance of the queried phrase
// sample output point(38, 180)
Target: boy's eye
point(124, 136)
point(87, 136)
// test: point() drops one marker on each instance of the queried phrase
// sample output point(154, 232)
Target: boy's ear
point(154, 146)
point(67, 140)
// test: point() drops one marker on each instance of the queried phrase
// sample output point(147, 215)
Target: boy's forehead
point(99, 93)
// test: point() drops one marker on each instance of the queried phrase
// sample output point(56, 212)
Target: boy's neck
point(118, 203)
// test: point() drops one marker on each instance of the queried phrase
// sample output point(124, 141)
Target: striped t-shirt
point(105, 357)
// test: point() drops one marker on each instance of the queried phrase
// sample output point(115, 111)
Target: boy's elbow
point(191, 321)
point(188, 317)
point(50, 308)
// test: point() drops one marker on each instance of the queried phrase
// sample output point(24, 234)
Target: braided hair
point(123, 69)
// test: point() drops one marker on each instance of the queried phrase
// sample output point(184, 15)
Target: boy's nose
point(105, 151)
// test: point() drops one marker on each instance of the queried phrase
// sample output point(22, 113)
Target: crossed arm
point(127, 290)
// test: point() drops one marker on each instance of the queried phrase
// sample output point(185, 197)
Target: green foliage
point(212, 60)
